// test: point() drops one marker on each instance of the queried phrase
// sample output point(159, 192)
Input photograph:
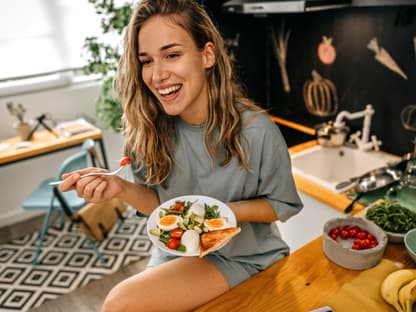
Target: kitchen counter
point(306, 278)
point(301, 282)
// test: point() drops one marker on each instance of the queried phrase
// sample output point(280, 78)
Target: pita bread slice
point(213, 240)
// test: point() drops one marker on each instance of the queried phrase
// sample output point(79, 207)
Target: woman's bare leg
point(178, 285)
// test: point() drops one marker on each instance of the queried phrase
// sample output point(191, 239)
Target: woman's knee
point(121, 299)
point(113, 302)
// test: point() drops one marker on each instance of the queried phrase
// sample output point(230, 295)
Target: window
point(44, 36)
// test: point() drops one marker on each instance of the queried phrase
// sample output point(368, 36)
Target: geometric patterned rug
point(66, 263)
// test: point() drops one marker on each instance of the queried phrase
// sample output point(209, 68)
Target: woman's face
point(174, 69)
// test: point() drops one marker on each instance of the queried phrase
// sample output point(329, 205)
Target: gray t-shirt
point(258, 244)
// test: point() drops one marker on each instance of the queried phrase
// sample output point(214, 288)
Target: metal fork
point(93, 174)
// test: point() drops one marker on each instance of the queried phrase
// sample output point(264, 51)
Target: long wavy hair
point(149, 132)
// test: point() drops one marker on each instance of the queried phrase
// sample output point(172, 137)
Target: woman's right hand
point(93, 189)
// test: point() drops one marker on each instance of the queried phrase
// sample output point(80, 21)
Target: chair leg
point(97, 252)
point(62, 217)
point(69, 213)
point(42, 234)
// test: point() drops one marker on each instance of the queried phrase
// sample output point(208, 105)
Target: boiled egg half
point(190, 239)
point(169, 222)
point(215, 224)
point(197, 209)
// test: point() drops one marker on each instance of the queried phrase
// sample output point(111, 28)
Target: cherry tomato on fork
point(125, 161)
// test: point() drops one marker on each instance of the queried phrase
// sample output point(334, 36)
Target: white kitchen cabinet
point(307, 224)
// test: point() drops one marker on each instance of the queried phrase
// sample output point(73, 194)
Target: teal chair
point(48, 198)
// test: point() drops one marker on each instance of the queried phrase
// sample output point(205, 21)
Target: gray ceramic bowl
point(340, 251)
point(410, 243)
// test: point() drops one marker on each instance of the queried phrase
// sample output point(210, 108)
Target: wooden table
point(301, 282)
point(44, 142)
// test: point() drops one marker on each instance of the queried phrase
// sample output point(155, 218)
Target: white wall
point(307, 224)
point(19, 179)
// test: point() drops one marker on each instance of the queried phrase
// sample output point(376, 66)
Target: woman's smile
point(169, 90)
point(170, 98)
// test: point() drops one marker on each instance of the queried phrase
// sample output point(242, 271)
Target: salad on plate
point(180, 225)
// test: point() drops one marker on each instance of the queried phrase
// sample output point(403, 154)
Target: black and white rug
point(66, 263)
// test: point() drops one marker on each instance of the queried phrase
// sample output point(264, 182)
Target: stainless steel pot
point(330, 136)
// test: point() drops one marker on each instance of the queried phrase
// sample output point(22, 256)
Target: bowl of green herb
point(395, 219)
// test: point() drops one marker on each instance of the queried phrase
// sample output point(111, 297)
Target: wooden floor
point(15, 231)
point(91, 297)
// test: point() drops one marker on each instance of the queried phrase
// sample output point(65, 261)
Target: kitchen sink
point(328, 166)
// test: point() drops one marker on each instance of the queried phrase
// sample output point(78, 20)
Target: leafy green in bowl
point(395, 219)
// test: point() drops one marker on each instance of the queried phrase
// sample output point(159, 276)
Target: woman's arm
point(253, 210)
point(101, 188)
point(141, 197)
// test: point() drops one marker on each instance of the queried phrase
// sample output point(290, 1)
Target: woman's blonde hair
point(149, 131)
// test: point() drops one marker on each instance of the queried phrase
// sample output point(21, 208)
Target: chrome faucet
point(360, 138)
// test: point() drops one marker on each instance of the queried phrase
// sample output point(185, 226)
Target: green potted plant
point(103, 59)
point(22, 127)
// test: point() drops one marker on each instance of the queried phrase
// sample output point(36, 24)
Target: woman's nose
point(160, 72)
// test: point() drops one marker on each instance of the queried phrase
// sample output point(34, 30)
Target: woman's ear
point(209, 54)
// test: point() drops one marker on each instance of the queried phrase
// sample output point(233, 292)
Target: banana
point(402, 299)
point(412, 297)
point(393, 282)
point(407, 295)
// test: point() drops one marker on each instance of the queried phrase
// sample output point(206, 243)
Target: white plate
point(224, 210)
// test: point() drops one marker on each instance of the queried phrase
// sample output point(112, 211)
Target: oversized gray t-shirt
point(271, 178)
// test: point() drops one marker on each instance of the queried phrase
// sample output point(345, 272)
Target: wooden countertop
point(302, 281)
point(306, 278)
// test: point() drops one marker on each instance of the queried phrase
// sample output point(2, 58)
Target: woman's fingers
point(69, 182)
point(85, 186)
point(90, 188)
point(99, 194)
point(94, 189)
point(84, 171)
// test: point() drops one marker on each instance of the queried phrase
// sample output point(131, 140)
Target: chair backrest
point(77, 161)
point(88, 143)
point(74, 162)
point(95, 159)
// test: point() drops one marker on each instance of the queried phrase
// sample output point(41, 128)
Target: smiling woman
point(190, 129)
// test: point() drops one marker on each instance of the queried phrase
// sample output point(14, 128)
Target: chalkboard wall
point(357, 76)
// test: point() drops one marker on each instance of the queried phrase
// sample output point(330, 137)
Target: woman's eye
point(172, 55)
point(145, 62)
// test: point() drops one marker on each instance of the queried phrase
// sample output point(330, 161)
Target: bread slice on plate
point(213, 240)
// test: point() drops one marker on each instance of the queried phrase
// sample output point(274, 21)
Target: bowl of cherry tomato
point(353, 243)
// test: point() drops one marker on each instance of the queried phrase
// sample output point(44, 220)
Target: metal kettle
point(330, 136)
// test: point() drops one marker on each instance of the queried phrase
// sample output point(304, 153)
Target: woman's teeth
point(169, 90)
